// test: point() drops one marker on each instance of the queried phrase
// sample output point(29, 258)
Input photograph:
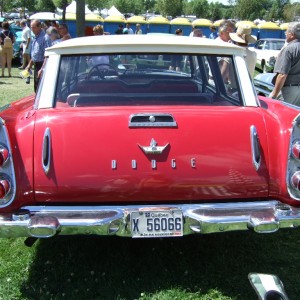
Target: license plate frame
point(156, 223)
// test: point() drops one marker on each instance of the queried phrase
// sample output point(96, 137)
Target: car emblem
point(153, 148)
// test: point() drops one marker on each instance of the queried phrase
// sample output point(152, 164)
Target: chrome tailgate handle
point(152, 120)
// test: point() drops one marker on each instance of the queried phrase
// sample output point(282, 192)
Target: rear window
point(147, 79)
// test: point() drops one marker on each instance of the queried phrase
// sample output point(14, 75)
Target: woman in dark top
point(6, 53)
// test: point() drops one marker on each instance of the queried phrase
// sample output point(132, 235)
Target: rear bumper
point(47, 221)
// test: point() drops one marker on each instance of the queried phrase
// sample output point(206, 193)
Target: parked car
point(267, 50)
point(17, 49)
point(115, 145)
point(264, 84)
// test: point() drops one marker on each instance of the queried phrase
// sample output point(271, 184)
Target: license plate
point(147, 224)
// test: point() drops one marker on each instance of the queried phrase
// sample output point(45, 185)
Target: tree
point(290, 11)
point(200, 8)
point(244, 9)
point(170, 8)
point(62, 4)
point(45, 5)
point(214, 11)
point(80, 17)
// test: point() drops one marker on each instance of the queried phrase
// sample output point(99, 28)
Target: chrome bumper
point(47, 221)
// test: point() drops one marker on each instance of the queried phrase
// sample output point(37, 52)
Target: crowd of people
point(36, 37)
point(49, 33)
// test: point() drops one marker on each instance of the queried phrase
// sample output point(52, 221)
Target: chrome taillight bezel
point(7, 171)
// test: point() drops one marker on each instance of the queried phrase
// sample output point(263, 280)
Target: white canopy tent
point(72, 8)
point(113, 11)
point(45, 16)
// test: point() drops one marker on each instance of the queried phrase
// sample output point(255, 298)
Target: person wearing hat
point(242, 37)
point(287, 67)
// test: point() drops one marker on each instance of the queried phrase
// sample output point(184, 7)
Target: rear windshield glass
point(147, 79)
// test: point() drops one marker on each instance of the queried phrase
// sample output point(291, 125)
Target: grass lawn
point(13, 88)
point(207, 267)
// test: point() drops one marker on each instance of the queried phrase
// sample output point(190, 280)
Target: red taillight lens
point(296, 150)
point(295, 180)
point(4, 154)
point(4, 188)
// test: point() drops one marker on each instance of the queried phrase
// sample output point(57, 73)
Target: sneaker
point(21, 68)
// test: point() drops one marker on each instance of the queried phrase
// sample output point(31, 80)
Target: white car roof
point(162, 43)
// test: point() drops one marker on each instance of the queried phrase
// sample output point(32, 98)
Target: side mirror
point(267, 286)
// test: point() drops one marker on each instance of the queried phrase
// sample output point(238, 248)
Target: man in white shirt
point(26, 38)
point(129, 30)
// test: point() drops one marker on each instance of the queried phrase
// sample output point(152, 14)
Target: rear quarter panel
point(19, 120)
point(279, 119)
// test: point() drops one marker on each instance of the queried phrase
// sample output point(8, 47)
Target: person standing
point(176, 59)
point(138, 29)
point(7, 39)
point(287, 67)
point(129, 29)
point(242, 37)
point(64, 32)
point(119, 30)
point(198, 33)
point(225, 28)
point(26, 39)
point(213, 35)
point(98, 30)
point(54, 35)
point(40, 43)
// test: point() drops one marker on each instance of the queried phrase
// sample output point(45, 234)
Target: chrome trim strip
point(255, 147)
point(46, 151)
point(46, 221)
point(7, 171)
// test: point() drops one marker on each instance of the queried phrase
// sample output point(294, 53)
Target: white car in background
point(267, 50)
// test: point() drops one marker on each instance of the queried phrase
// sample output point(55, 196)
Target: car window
point(147, 79)
point(277, 45)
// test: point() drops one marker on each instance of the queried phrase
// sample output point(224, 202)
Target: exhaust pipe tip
point(43, 226)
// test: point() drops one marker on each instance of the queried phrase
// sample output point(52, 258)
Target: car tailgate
point(94, 155)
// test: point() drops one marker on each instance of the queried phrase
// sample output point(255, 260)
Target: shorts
point(27, 51)
point(8, 52)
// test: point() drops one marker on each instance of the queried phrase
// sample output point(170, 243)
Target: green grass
point(195, 267)
point(204, 267)
point(13, 88)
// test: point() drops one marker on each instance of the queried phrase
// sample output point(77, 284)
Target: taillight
point(4, 188)
point(4, 155)
point(296, 150)
point(7, 173)
point(295, 180)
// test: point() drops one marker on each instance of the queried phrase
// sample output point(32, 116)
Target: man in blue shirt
point(39, 44)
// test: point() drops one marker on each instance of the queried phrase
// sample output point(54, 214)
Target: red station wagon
point(147, 136)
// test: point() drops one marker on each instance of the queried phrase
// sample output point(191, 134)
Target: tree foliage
point(240, 9)
point(45, 5)
point(172, 8)
point(290, 11)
